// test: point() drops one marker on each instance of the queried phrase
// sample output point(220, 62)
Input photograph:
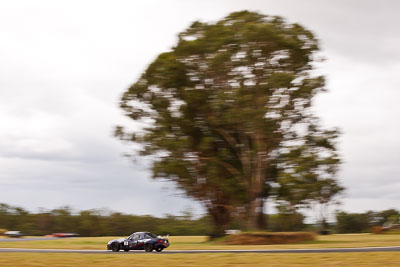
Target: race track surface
point(323, 250)
point(13, 239)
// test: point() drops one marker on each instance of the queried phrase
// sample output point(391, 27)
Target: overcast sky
point(65, 64)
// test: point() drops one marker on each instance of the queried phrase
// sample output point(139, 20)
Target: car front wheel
point(148, 247)
point(115, 247)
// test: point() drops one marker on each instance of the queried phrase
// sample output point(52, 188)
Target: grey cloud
point(65, 65)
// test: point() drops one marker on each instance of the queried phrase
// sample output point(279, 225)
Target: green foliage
point(222, 111)
point(363, 222)
point(97, 223)
point(285, 222)
point(106, 223)
point(352, 222)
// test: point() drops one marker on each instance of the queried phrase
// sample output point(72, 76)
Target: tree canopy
point(228, 118)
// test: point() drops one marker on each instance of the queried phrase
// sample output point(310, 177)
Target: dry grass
point(387, 259)
point(268, 238)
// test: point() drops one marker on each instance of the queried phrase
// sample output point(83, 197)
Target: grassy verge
point(200, 242)
point(268, 238)
point(387, 259)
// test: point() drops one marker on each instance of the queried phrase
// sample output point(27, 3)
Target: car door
point(147, 237)
point(140, 242)
point(131, 243)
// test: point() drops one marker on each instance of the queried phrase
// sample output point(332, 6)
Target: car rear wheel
point(126, 250)
point(148, 247)
point(115, 247)
point(159, 249)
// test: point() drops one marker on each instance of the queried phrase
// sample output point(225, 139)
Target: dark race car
point(137, 241)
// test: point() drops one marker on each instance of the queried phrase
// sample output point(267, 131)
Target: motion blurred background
point(66, 64)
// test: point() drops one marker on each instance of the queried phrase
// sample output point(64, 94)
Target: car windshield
point(151, 235)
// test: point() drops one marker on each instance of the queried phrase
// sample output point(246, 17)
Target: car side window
point(147, 236)
point(134, 237)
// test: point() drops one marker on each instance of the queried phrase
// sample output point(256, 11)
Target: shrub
point(283, 222)
point(378, 230)
point(353, 223)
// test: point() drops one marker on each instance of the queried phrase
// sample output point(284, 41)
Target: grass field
point(387, 259)
point(200, 242)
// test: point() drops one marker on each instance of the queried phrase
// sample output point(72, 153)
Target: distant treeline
point(364, 222)
point(97, 222)
point(106, 223)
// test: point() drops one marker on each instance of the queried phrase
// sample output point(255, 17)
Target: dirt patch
point(268, 238)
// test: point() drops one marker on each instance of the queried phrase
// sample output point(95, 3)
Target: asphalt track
point(28, 239)
point(322, 250)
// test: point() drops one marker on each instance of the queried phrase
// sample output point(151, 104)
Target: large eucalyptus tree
point(223, 106)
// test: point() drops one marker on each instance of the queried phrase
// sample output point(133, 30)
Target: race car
point(65, 234)
point(137, 241)
point(13, 234)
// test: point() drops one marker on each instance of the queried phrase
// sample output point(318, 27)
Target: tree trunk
point(261, 222)
point(256, 206)
point(255, 219)
point(221, 218)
